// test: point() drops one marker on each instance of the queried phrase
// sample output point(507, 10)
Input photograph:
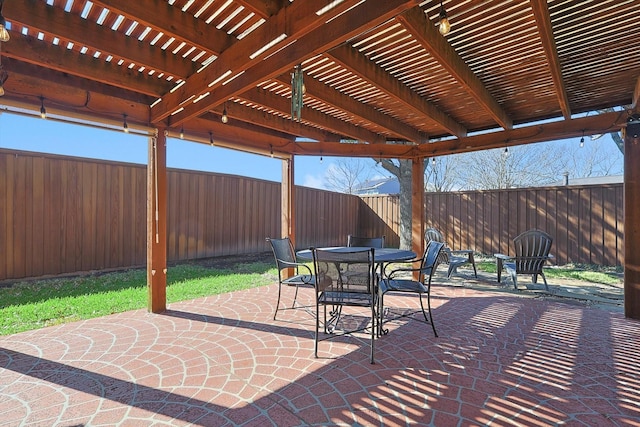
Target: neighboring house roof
point(378, 186)
point(592, 180)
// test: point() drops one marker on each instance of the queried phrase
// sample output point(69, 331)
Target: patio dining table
point(382, 255)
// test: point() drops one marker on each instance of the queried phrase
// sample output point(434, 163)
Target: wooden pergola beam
point(237, 111)
point(543, 20)
point(290, 23)
point(338, 127)
point(423, 30)
point(600, 124)
point(337, 99)
point(591, 125)
point(66, 79)
point(38, 15)
point(263, 8)
point(172, 22)
point(360, 65)
point(33, 51)
point(332, 33)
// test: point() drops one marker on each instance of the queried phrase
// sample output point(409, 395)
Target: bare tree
point(615, 136)
point(442, 173)
point(346, 174)
point(513, 167)
point(402, 170)
point(593, 159)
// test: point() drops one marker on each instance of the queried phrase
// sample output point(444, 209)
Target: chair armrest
point(503, 256)
point(400, 269)
point(463, 251)
point(288, 264)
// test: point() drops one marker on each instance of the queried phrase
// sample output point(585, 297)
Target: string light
point(224, 118)
point(181, 132)
point(43, 111)
point(506, 151)
point(4, 34)
point(210, 137)
point(444, 26)
point(271, 148)
point(582, 140)
point(125, 125)
point(433, 162)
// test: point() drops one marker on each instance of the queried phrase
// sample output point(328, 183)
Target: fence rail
point(63, 215)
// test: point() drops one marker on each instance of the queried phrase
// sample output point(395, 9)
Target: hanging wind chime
point(297, 92)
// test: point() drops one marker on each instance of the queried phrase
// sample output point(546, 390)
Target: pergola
point(379, 80)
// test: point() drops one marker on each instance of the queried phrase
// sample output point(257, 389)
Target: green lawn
point(31, 305)
point(591, 274)
point(35, 304)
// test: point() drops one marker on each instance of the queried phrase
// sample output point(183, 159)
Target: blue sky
point(48, 136)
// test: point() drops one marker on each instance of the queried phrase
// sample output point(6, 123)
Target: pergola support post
point(287, 204)
point(632, 219)
point(288, 200)
point(157, 223)
point(417, 206)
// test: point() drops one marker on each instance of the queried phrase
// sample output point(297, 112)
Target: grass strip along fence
point(28, 305)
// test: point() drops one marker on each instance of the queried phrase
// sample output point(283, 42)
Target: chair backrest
point(531, 251)
point(365, 242)
point(283, 252)
point(433, 235)
point(430, 260)
point(332, 275)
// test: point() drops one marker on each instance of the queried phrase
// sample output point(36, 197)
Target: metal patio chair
point(401, 280)
point(336, 290)
point(285, 257)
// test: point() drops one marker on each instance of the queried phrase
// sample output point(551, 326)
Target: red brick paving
point(223, 361)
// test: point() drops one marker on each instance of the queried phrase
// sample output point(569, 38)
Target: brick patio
point(501, 359)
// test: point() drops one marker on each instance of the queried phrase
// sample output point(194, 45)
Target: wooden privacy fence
point(63, 215)
point(586, 222)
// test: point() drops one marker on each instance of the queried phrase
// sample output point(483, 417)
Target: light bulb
point(181, 132)
point(43, 111)
point(4, 34)
point(224, 118)
point(582, 142)
point(443, 26)
point(125, 125)
point(1, 90)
